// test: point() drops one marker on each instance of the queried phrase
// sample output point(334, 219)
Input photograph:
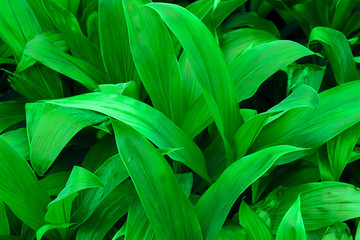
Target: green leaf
point(292, 225)
point(312, 128)
point(322, 204)
point(111, 173)
point(114, 42)
point(308, 74)
point(49, 55)
point(253, 224)
point(147, 121)
point(114, 206)
point(4, 222)
point(40, 233)
point(20, 26)
point(55, 183)
point(233, 181)
point(47, 143)
point(232, 231)
point(235, 42)
point(80, 46)
point(251, 19)
point(165, 205)
point(340, 149)
point(11, 113)
point(20, 189)
point(18, 140)
point(154, 57)
point(254, 66)
point(209, 66)
point(338, 231)
point(338, 52)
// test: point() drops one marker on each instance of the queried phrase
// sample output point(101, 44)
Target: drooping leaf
point(147, 121)
point(233, 181)
point(292, 225)
point(165, 204)
point(338, 52)
point(40, 233)
point(250, 69)
point(18, 140)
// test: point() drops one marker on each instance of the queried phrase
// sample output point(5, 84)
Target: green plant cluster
point(210, 119)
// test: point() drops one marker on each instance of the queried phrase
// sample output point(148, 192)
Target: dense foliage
point(212, 119)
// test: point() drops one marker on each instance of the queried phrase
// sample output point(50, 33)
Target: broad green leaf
point(250, 69)
point(114, 42)
point(338, 52)
point(19, 26)
point(49, 55)
point(129, 89)
point(340, 148)
point(209, 66)
point(292, 224)
point(312, 128)
point(339, 231)
point(20, 189)
point(253, 224)
point(225, 9)
point(11, 112)
point(235, 42)
point(147, 121)
point(111, 173)
point(4, 222)
point(114, 206)
point(47, 142)
point(221, 196)
point(165, 204)
point(251, 19)
point(18, 140)
point(322, 204)
point(80, 46)
point(154, 57)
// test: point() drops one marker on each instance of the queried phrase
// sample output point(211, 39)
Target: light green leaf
point(232, 231)
point(165, 204)
point(292, 224)
point(339, 231)
point(47, 143)
point(55, 183)
point(20, 189)
point(209, 66)
point(253, 224)
point(338, 52)
point(233, 181)
point(308, 74)
point(40, 233)
point(147, 121)
point(250, 69)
